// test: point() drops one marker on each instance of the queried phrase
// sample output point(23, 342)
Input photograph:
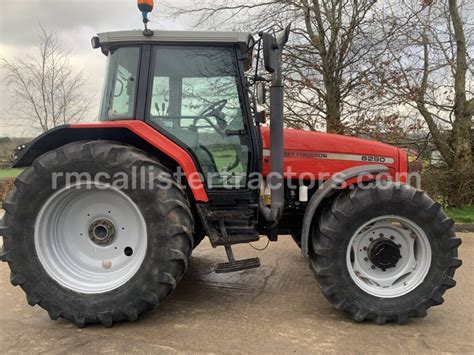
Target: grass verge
point(9, 173)
point(463, 214)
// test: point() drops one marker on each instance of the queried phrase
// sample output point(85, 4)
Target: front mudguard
point(330, 185)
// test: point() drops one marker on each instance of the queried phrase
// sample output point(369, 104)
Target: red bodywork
point(306, 152)
point(309, 152)
point(162, 143)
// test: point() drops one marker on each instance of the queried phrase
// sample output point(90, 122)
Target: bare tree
point(332, 51)
point(44, 88)
point(463, 108)
point(426, 69)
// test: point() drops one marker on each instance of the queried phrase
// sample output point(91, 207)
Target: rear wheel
point(93, 252)
point(384, 254)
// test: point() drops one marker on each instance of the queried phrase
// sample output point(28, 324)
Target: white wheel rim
point(410, 269)
point(90, 238)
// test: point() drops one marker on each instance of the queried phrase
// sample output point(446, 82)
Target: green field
point(464, 214)
point(9, 173)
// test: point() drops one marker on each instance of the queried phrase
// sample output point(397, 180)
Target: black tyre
point(384, 254)
point(142, 236)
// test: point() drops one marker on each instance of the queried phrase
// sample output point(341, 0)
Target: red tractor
point(102, 221)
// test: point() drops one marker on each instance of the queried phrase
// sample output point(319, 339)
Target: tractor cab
point(191, 87)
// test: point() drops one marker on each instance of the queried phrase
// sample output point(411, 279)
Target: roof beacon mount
point(146, 6)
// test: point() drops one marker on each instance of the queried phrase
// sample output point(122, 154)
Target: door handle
point(235, 132)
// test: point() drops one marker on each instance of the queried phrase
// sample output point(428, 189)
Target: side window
point(121, 86)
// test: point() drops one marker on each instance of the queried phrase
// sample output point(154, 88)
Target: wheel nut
point(381, 235)
point(392, 237)
point(371, 239)
point(366, 259)
point(372, 267)
point(365, 248)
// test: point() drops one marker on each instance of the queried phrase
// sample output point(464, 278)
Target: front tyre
point(94, 252)
point(384, 254)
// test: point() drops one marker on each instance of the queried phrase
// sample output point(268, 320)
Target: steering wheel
point(215, 110)
point(215, 107)
point(121, 87)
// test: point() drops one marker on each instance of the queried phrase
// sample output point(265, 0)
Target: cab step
point(228, 226)
point(236, 265)
point(233, 239)
point(230, 215)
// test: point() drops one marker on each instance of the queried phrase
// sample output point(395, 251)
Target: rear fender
point(331, 185)
point(135, 133)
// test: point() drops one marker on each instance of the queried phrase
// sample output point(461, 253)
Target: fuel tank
point(317, 153)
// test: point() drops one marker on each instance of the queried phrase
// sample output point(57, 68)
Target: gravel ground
point(274, 309)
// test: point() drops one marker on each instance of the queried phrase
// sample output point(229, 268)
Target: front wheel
point(384, 253)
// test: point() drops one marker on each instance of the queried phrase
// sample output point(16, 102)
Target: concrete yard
point(277, 308)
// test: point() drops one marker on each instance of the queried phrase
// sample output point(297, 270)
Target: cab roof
point(243, 39)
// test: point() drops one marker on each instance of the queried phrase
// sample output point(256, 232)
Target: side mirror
point(269, 53)
point(95, 42)
point(261, 93)
point(272, 48)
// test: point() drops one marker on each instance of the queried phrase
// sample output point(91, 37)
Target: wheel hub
point(102, 231)
point(384, 253)
point(388, 256)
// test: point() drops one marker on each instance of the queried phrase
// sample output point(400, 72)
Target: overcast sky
point(75, 22)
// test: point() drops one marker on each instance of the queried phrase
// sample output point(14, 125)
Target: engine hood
point(317, 152)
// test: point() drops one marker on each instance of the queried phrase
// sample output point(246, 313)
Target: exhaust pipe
point(273, 49)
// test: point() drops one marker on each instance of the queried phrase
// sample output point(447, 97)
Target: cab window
point(121, 84)
point(196, 99)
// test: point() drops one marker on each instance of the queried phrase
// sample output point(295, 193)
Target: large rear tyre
point(93, 252)
point(384, 254)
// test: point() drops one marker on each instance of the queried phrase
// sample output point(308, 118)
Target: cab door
point(196, 98)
